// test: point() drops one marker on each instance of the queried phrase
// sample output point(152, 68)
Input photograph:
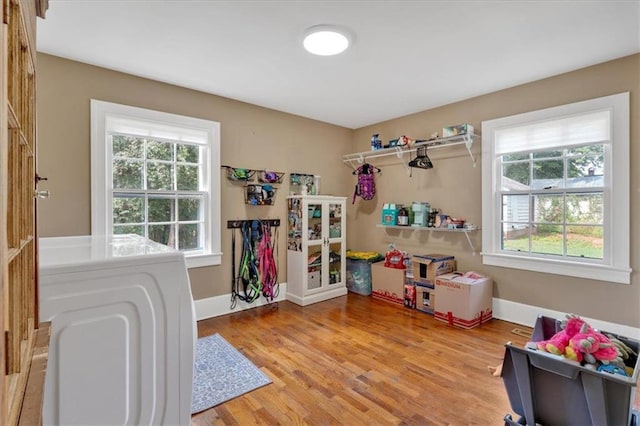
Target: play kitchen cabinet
point(316, 233)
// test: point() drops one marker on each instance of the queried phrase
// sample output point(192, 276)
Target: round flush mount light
point(326, 40)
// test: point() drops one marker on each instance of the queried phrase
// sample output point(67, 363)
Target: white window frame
point(103, 117)
point(615, 265)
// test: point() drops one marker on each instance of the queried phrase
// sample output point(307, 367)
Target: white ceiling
point(407, 56)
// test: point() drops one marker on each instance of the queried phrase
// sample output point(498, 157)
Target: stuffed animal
point(559, 342)
point(595, 347)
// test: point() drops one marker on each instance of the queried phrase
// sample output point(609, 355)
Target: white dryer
point(123, 331)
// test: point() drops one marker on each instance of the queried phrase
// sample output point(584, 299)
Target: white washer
point(123, 331)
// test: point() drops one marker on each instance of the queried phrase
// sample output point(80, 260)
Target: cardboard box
point(427, 267)
point(464, 300)
point(460, 129)
point(387, 283)
point(425, 298)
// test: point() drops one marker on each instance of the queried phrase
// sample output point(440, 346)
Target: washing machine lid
point(71, 254)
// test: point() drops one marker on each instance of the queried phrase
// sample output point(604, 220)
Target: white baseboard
point(526, 315)
point(506, 310)
point(221, 305)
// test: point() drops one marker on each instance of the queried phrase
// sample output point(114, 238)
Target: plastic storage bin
point(546, 389)
point(359, 276)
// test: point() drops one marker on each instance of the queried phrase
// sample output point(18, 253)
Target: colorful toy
point(579, 342)
point(559, 342)
point(612, 369)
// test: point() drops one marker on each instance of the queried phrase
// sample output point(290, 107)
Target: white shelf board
point(400, 151)
point(464, 231)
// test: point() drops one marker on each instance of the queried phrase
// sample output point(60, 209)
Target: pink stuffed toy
point(559, 342)
point(579, 342)
point(594, 347)
point(607, 351)
point(556, 345)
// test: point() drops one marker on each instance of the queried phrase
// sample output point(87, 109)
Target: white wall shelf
point(399, 151)
point(464, 231)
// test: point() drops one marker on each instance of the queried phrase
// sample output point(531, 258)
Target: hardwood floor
point(354, 360)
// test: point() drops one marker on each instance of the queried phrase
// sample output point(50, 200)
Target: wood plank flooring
point(354, 360)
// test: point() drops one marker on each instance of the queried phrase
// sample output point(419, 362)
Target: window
point(157, 175)
point(556, 190)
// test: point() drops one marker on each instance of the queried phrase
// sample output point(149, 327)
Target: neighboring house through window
point(157, 175)
point(556, 190)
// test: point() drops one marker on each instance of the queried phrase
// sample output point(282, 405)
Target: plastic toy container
point(550, 390)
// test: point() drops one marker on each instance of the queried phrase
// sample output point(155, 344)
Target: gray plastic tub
point(549, 390)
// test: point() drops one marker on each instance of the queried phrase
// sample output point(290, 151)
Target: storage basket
point(547, 389)
point(266, 176)
point(239, 174)
point(260, 195)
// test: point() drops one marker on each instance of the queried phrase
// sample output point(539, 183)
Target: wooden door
point(18, 256)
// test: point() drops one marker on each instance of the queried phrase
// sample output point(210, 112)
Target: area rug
point(221, 373)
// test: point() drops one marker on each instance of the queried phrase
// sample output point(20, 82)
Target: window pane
point(159, 176)
point(515, 176)
point(585, 171)
point(159, 150)
point(548, 208)
point(515, 237)
point(161, 209)
point(547, 239)
point(163, 234)
point(585, 208)
point(547, 154)
point(128, 229)
point(128, 209)
point(127, 146)
point(515, 157)
point(515, 208)
point(189, 237)
point(548, 174)
point(188, 178)
point(188, 153)
point(585, 241)
point(127, 174)
point(189, 209)
point(587, 149)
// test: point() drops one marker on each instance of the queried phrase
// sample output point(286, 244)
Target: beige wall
point(255, 137)
point(251, 136)
point(454, 186)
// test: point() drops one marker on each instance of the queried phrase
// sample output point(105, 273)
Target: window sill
point(202, 260)
point(615, 274)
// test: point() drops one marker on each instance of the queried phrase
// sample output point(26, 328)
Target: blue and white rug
point(221, 373)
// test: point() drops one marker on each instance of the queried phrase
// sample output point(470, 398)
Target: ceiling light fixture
point(326, 40)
